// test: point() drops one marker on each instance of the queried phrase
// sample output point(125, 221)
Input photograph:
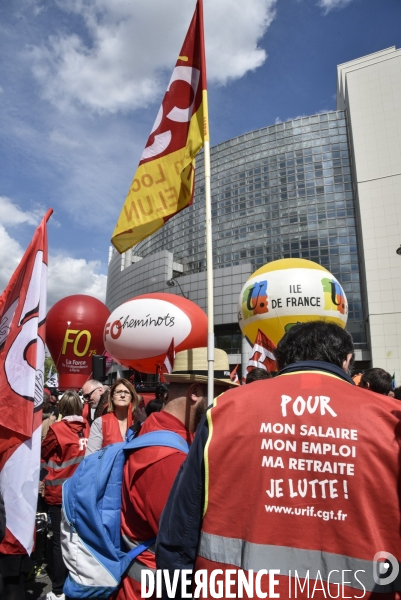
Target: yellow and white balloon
point(289, 291)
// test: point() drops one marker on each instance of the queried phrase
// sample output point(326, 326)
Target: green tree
point(49, 365)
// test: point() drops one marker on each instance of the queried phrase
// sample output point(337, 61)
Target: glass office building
point(278, 192)
point(305, 188)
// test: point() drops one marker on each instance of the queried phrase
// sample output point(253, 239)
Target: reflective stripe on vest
point(135, 570)
point(249, 556)
point(136, 567)
point(67, 463)
point(55, 482)
point(71, 435)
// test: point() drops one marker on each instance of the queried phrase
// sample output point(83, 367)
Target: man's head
point(316, 340)
point(188, 384)
point(256, 374)
point(376, 380)
point(154, 406)
point(91, 392)
point(188, 402)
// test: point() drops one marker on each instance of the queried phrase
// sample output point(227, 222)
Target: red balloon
point(74, 333)
point(139, 332)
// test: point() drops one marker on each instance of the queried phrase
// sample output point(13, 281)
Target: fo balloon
point(289, 291)
point(139, 332)
point(74, 333)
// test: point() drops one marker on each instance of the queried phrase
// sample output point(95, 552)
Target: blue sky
point(80, 86)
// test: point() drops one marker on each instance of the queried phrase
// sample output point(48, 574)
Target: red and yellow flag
point(164, 181)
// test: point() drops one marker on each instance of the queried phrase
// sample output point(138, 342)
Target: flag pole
point(208, 210)
point(209, 277)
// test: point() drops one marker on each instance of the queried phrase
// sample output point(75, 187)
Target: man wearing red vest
point(291, 488)
point(149, 473)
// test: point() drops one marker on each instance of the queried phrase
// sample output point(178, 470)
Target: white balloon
point(144, 327)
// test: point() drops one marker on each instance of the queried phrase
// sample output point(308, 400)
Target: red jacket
point(302, 473)
point(63, 449)
point(111, 429)
point(149, 474)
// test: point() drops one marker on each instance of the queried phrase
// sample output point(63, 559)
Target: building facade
point(293, 189)
point(369, 91)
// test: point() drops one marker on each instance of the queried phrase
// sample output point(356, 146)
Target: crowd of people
point(312, 439)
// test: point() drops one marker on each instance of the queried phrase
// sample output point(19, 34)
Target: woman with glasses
point(113, 426)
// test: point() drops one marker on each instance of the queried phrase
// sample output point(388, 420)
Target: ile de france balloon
point(289, 291)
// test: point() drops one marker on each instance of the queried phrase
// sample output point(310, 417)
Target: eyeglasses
point(122, 393)
point(87, 396)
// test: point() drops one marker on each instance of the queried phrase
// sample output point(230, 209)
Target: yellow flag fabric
point(164, 181)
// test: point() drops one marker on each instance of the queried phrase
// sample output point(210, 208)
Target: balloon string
point(279, 320)
point(61, 347)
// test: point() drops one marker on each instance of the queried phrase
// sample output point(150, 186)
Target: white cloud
point(329, 5)
point(98, 60)
point(11, 214)
point(117, 62)
point(297, 117)
point(10, 254)
point(66, 275)
point(233, 29)
point(82, 167)
point(35, 6)
point(69, 276)
point(61, 139)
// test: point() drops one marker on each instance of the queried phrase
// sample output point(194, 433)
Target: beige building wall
point(369, 89)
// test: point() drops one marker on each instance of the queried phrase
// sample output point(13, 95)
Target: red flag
point(168, 362)
point(234, 375)
point(164, 182)
point(22, 355)
point(262, 356)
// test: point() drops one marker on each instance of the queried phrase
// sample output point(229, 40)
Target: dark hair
point(70, 404)
point(256, 374)
point(397, 393)
point(314, 340)
point(161, 392)
point(130, 388)
point(378, 379)
point(47, 406)
point(154, 406)
point(48, 409)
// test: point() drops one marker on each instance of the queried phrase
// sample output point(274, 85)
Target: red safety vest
point(302, 474)
point(72, 437)
point(111, 429)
